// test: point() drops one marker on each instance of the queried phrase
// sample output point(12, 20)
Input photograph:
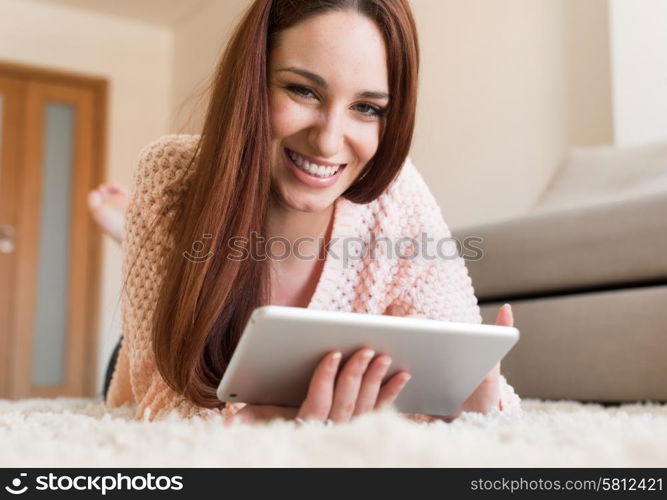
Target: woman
point(305, 139)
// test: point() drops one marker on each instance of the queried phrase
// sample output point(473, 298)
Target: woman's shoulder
point(162, 163)
point(410, 186)
point(408, 203)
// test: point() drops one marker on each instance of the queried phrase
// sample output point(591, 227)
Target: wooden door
point(52, 130)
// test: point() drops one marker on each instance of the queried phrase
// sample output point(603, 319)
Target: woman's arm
point(137, 379)
point(445, 293)
point(437, 284)
point(493, 392)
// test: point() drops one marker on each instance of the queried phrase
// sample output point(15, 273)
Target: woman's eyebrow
point(318, 80)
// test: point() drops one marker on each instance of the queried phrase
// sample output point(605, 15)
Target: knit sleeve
point(137, 380)
point(436, 284)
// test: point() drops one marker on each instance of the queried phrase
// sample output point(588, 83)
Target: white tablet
point(281, 346)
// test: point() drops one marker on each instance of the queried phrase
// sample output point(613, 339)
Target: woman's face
point(328, 89)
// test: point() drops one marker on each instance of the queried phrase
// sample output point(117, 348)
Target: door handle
point(7, 239)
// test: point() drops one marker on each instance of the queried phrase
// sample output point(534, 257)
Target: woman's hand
point(487, 394)
point(338, 396)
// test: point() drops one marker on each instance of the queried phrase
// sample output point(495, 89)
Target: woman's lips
point(311, 180)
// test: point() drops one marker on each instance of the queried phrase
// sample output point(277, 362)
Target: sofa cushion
point(621, 242)
point(605, 173)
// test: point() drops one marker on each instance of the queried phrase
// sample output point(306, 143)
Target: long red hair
point(203, 307)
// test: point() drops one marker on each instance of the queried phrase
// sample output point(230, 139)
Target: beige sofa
point(586, 273)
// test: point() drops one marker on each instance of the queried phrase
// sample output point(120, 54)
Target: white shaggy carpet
point(83, 433)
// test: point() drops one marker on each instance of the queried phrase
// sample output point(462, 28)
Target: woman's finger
point(252, 414)
point(348, 384)
point(370, 384)
point(391, 389)
point(505, 316)
point(492, 376)
point(317, 404)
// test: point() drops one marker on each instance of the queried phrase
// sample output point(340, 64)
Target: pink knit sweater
point(387, 281)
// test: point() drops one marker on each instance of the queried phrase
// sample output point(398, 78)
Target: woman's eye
point(366, 109)
point(370, 110)
point(300, 91)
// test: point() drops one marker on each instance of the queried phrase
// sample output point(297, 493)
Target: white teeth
point(312, 168)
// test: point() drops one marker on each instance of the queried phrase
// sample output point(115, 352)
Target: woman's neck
point(286, 223)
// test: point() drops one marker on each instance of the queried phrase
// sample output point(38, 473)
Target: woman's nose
point(327, 135)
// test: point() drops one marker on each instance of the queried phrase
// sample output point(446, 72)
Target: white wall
point(588, 72)
point(198, 45)
point(639, 70)
point(136, 58)
point(492, 121)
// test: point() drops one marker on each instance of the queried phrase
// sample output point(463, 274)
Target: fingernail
point(385, 361)
point(368, 354)
point(406, 379)
point(507, 306)
point(336, 356)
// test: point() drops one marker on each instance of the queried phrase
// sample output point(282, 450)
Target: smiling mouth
point(319, 171)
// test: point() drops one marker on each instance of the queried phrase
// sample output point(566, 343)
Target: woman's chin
point(309, 206)
point(306, 202)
